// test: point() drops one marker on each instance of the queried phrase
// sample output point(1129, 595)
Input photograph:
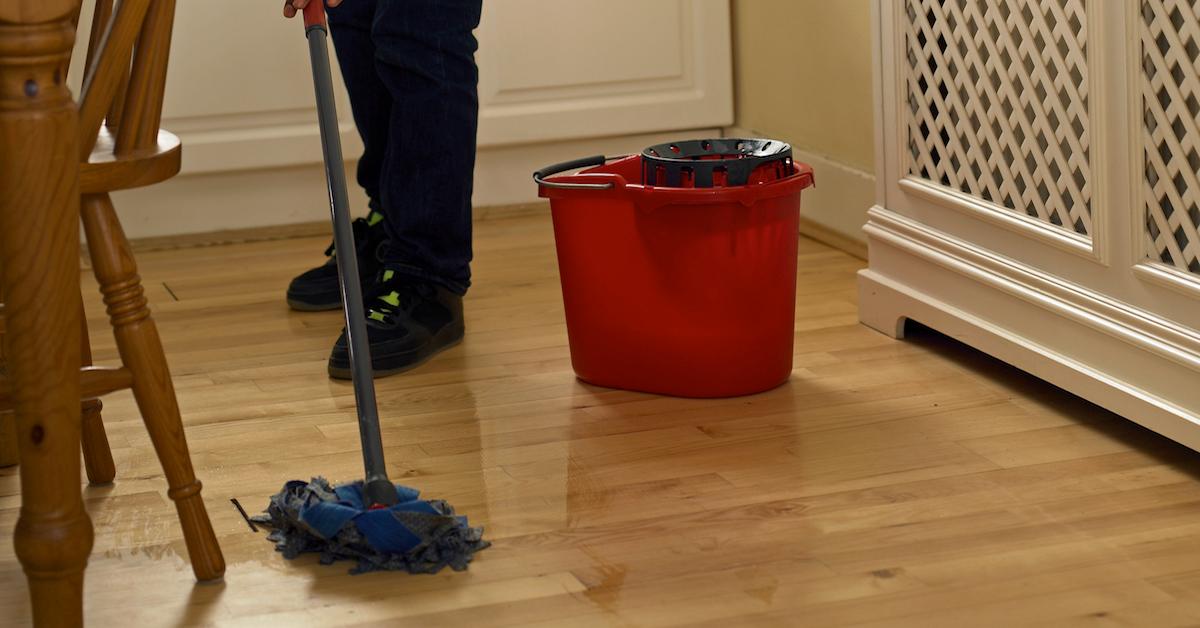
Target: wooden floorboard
point(888, 483)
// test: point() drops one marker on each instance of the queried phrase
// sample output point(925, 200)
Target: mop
point(380, 525)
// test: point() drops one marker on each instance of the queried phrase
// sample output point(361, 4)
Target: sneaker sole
point(340, 372)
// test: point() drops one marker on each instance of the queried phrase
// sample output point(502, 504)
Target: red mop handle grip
point(314, 14)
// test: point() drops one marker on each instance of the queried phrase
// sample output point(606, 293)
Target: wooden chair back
point(126, 75)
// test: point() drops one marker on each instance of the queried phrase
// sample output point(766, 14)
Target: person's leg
point(424, 55)
point(371, 105)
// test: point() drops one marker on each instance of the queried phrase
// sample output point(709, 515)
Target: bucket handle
point(539, 177)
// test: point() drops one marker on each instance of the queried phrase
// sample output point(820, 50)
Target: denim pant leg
point(370, 103)
point(425, 58)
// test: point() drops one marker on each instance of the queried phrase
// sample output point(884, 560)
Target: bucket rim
point(648, 195)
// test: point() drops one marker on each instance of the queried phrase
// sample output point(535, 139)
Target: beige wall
point(802, 73)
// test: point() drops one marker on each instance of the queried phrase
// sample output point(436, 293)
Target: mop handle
point(378, 489)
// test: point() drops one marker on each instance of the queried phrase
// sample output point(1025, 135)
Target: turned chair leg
point(39, 272)
point(141, 351)
point(97, 456)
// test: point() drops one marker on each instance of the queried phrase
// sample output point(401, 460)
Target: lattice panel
point(1170, 105)
point(998, 104)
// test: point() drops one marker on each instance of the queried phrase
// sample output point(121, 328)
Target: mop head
point(414, 535)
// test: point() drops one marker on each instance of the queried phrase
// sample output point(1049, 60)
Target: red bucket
point(684, 291)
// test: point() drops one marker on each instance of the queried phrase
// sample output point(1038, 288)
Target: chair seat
point(107, 172)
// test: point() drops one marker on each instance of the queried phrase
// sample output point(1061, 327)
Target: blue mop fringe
point(414, 535)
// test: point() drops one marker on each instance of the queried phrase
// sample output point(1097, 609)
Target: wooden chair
point(121, 147)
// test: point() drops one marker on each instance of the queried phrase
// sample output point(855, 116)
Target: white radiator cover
point(1038, 192)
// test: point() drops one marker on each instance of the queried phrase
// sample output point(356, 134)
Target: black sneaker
point(317, 289)
point(408, 322)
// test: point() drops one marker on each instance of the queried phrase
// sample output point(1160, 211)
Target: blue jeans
point(409, 66)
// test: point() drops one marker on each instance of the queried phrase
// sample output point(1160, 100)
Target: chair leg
point(141, 351)
point(39, 272)
point(97, 456)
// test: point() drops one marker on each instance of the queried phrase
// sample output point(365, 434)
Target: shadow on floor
point(1094, 417)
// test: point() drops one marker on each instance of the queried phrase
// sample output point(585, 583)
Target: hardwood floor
point(911, 483)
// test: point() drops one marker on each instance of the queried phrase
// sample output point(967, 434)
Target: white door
point(240, 96)
point(239, 93)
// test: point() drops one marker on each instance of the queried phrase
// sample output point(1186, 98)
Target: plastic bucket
point(679, 291)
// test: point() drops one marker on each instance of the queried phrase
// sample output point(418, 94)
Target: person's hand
point(292, 7)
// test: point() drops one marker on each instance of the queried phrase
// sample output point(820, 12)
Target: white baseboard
point(214, 201)
point(1124, 359)
point(204, 202)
